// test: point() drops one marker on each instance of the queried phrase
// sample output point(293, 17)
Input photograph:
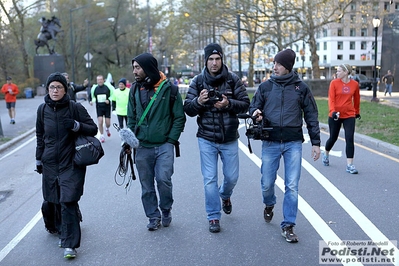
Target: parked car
point(365, 82)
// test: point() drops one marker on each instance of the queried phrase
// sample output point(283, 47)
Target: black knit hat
point(57, 76)
point(9, 78)
point(150, 66)
point(123, 80)
point(211, 49)
point(286, 58)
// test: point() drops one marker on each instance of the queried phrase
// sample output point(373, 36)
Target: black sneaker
point(288, 233)
point(166, 218)
point(227, 207)
point(214, 226)
point(268, 213)
point(154, 224)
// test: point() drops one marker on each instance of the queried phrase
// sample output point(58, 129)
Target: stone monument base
point(44, 65)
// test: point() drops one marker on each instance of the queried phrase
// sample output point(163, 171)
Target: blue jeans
point(388, 88)
point(155, 164)
point(209, 152)
point(292, 154)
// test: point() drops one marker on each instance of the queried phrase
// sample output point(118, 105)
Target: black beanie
point(123, 80)
point(57, 76)
point(150, 66)
point(286, 58)
point(211, 49)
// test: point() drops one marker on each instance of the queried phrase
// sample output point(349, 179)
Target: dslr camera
point(214, 95)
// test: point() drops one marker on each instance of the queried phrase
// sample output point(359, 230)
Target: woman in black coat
point(58, 121)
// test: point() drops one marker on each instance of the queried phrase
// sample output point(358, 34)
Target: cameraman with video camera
point(284, 100)
point(216, 96)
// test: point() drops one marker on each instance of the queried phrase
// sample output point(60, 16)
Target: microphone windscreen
point(128, 137)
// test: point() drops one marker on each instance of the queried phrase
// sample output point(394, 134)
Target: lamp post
point(71, 35)
point(88, 23)
point(376, 24)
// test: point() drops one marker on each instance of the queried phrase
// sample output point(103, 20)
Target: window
point(353, 18)
point(387, 6)
point(340, 45)
point(364, 19)
point(363, 32)
point(324, 32)
point(339, 33)
point(352, 32)
point(324, 58)
point(317, 46)
point(351, 57)
point(325, 45)
point(396, 6)
point(363, 45)
point(352, 45)
point(353, 7)
point(340, 57)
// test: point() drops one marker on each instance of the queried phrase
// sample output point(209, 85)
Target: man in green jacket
point(157, 121)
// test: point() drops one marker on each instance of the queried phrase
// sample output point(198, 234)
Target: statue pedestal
point(44, 65)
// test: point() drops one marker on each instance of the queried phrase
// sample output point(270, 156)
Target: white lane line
point(18, 148)
point(364, 223)
point(326, 233)
point(11, 245)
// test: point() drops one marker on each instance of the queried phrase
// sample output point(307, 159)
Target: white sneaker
point(350, 168)
point(102, 138)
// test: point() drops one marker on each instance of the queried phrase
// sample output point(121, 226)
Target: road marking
point(12, 244)
point(322, 228)
point(18, 148)
point(317, 222)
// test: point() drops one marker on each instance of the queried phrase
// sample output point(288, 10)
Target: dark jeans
point(349, 128)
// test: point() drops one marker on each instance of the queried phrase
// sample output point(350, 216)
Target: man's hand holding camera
point(203, 98)
point(258, 114)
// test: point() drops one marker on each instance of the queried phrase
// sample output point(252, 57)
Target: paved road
point(334, 205)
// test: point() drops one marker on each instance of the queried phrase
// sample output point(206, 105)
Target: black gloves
point(335, 115)
point(69, 123)
point(358, 116)
point(39, 167)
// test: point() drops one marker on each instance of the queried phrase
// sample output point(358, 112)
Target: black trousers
point(349, 128)
point(65, 219)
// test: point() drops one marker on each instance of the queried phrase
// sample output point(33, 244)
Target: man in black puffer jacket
point(216, 96)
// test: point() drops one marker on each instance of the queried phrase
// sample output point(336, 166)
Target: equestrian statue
point(48, 31)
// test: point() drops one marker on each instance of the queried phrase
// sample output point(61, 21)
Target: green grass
point(378, 121)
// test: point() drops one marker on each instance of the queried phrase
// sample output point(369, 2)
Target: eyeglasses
point(58, 88)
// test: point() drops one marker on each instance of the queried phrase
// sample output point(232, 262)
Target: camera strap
point(150, 103)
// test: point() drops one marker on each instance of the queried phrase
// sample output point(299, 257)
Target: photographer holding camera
point(284, 100)
point(216, 96)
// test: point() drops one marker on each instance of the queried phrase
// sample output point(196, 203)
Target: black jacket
point(62, 180)
point(217, 125)
point(285, 101)
point(73, 89)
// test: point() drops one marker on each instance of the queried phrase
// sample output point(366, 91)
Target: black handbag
point(88, 150)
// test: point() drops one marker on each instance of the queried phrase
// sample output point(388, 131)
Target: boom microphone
point(127, 136)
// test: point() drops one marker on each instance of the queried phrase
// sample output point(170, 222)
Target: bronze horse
point(49, 30)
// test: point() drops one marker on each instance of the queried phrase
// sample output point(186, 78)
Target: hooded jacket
point(217, 125)
point(163, 123)
point(55, 149)
point(285, 101)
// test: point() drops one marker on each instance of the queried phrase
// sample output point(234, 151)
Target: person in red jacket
point(10, 90)
point(344, 107)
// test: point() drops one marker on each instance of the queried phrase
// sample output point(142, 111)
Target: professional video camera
point(254, 129)
point(214, 95)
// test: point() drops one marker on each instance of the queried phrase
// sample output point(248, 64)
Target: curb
point(16, 139)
